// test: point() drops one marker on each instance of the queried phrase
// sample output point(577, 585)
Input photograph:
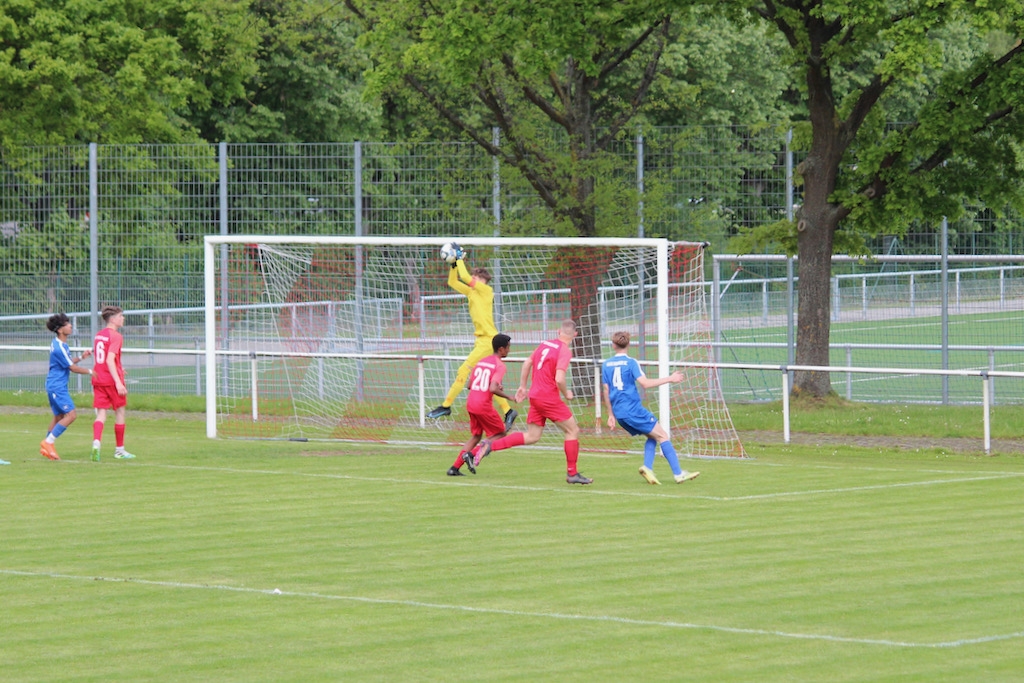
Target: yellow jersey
point(481, 299)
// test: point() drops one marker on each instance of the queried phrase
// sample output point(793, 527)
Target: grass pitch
point(275, 561)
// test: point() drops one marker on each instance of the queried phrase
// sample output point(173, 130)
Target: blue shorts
point(637, 421)
point(60, 401)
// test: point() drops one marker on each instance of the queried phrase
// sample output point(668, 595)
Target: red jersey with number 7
point(106, 344)
point(547, 358)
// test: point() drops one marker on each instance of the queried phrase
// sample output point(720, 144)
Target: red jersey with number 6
point(106, 344)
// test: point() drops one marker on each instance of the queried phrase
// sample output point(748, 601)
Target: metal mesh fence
point(87, 225)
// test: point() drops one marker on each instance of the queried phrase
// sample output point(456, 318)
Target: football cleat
point(686, 476)
point(578, 479)
point(482, 452)
point(123, 455)
point(648, 474)
point(440, 411)
point(468, 459)
point(95, 456)
point(48, 451)
point(510, 418)
point(454, 471)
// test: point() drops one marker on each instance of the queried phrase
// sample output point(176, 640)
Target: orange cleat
point(47, 450)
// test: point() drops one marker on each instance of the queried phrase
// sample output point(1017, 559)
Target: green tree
point(307, 84)
point(116, 70)
point(959, 137)
point(551, 77)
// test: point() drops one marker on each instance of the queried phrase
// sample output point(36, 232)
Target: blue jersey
point(60, 366)
point(620, 373)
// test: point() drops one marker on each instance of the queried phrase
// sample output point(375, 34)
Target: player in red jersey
point(484, 384)
point(109, 391)
point(549, 365)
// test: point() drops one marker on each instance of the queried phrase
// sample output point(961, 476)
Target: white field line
point(277, 593)
point(591, 490)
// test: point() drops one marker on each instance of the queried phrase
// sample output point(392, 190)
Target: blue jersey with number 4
point(620, 373)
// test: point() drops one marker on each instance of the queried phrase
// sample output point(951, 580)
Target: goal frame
point(212, 242)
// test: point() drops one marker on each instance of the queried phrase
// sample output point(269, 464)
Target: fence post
point(225, 311)
point(422, 384)
point(944, 270)
point(94, 241)
point(253, 377)
point(912, 292)
point(716, 307)
point(992, 368)
point(985, 388)
point(836, 310)
point(785, 404)
point(849, 375)
point(199, 368)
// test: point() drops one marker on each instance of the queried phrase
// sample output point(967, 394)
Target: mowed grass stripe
point(572, 583)
point(517, 614)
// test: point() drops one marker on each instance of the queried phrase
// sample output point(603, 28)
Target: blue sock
point(650, 451)
point(58, 430)
point(673, 460)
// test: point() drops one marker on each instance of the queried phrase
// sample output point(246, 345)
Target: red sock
point(119, 436)
point(458, 460)
point(572, 454)
point(510, 441)
point(97, 431)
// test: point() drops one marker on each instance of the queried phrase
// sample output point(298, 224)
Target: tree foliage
point(958, 138)
point(548, 75)
point(117, 70)
point(306, 83)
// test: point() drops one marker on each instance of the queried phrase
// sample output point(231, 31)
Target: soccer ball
point(450, 252)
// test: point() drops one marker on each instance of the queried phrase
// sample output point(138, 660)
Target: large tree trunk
point(817, 222)
point(814, 307)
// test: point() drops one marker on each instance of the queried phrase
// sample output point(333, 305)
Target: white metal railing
point(985, 375)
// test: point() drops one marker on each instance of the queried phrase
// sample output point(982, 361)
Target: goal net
point(358, 338)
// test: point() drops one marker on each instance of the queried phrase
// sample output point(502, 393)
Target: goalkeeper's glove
point(459, 253)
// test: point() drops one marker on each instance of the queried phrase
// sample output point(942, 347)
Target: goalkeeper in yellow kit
point(477, 289)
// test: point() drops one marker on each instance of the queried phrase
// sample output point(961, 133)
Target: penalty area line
point(595, 618)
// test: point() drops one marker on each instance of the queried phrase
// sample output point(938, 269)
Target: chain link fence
point(82, 226)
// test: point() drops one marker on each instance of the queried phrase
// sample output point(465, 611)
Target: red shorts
point(104, 396)
point(487, 422)
point(542, 410)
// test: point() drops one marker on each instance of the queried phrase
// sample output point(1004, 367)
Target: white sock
point(95, 444)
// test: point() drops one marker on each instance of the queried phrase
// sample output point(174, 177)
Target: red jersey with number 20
point(107, 343)
point(488, 370)
point(547, 358)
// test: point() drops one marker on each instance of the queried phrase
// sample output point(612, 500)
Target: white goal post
point(331, 337)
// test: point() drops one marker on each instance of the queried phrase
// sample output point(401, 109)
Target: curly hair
point(57, 321)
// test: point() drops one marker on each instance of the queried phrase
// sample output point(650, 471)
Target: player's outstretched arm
point(454, 280)
point(648, 383)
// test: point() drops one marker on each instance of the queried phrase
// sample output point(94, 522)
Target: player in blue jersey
point(61, 367)
point(620, 374)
